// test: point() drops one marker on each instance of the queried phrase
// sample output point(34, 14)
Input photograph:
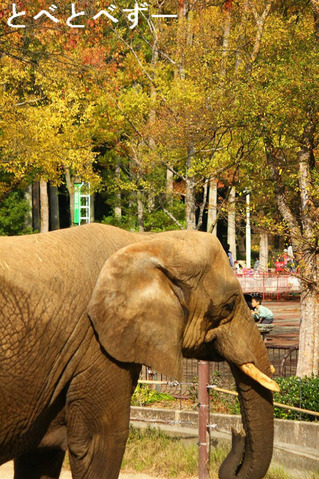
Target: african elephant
point(81, 310)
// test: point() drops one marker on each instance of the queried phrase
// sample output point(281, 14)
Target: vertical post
point(212, 207)
point(28, 216)
point(231, 222)
point(44, 207)
point(77, 203)
point(36, 206)
point(248, 231)
point(203, 420)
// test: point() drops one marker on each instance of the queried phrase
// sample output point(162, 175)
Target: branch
point(172, 218)
point(134, 53)
point(174, 171)
point(281, 199)
point(30, 101)
point(260, 23)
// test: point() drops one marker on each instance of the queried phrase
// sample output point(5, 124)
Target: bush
point(13, 211)
point(143, 396)
point(223, 402)
point(302, 393)
point(296, 392)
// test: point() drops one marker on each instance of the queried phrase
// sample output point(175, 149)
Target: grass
point(151, 451)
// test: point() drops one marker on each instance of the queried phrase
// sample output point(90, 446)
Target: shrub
point(13, 211)
point(143, 396)
point(297, 392)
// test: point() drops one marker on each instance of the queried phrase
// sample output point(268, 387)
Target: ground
point(6, 472)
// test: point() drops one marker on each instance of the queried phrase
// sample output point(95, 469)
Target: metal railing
point(269, 284)
point(284, 359)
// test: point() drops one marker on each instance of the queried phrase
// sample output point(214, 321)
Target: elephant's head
point(175, 295)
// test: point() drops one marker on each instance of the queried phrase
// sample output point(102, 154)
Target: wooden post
point(36, 206)
point(203, 420)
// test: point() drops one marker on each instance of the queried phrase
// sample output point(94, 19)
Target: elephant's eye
point(226, 311)
point(230, 306)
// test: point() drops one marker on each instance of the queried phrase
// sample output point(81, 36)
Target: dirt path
point(6, 472)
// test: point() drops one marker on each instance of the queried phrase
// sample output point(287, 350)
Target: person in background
point(290, 251)
point(260, 313)
point(230, 256)
point(291, 263)
point(285, 256)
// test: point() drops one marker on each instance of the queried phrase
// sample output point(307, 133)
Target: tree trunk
point(309, 267)
point(190, 194)
point(260, 24)
point(36, 206)
point(231, 225)
point(44, 203)
point(248, 232)
point(28, 217)
point(169, 185)
point(315, 6)
point(118, 200)
point(226, 33)
point(212, 207)
point(92, 217)
point(54, 208)
point(140, 212)
point(309, 328)
point(70, 186)
point(263, 252)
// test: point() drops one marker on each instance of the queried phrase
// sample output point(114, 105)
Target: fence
point(283, 358)
point(269, 284)
point(203, 370)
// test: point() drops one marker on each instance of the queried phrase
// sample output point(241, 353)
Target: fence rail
point(269, 284)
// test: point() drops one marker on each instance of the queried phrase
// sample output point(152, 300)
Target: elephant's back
point(60, 254)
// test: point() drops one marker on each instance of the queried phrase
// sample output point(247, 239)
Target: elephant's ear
point(137, 307)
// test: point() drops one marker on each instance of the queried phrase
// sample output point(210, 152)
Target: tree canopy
point(150, 114)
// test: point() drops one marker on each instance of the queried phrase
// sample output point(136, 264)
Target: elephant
point(82, 309)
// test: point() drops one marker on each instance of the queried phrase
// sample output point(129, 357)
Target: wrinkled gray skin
point(72, 344)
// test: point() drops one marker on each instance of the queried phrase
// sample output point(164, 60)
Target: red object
point(279, 266)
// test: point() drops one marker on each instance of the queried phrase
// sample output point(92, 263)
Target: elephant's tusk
point(272, 369)
point(261, 378)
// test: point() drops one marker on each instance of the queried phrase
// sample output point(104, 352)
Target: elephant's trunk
point(251, 451)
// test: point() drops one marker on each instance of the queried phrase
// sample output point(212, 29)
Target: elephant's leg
point(98, 408)
point(43, 463)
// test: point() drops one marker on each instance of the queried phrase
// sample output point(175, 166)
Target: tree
point(281, 111)
point(13, 210)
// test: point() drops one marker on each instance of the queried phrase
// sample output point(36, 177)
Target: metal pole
point(203, 420)
point(248, 232)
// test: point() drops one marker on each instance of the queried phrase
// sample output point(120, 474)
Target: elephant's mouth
point(253, 372)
